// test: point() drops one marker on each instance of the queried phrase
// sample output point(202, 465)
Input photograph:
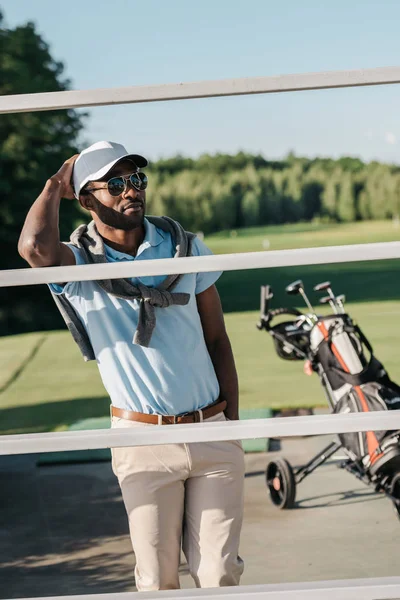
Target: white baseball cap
point(95, 162)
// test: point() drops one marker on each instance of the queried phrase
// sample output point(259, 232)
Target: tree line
point(220, 192)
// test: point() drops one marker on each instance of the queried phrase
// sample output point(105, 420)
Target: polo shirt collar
point(153, 237)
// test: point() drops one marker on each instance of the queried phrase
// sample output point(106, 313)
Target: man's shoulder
point(168, 225)
point(79, 255)
point(199, 247)
point(196, 245)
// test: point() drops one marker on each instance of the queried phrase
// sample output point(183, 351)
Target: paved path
point(63, 529)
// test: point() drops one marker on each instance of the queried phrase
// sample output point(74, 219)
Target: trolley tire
point(281, 483)
point(395, 491)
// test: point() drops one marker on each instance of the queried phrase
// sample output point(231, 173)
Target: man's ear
point(86, 201)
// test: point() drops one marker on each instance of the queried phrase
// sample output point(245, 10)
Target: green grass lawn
point(45, 385)
point(303, 235)
point(57, 388)
point(360, 281)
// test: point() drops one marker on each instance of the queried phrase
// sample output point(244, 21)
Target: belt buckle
point(182, 415)
point(176, 417)
point(167, 421)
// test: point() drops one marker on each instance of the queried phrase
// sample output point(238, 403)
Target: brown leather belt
point(193, 417)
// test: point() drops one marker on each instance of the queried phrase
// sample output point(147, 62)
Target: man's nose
point(130, 191)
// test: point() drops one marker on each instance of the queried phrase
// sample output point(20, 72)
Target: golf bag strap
point(363, 339)
point(353, 329)
point(374, 371)
point(384, 378)
point(276, 312)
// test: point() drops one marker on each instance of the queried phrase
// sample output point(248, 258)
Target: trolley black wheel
point(395, 491)
point(281, 483)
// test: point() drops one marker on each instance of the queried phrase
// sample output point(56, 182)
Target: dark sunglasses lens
point(139, 181)
point(116, 186)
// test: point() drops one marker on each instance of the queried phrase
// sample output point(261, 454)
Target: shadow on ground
point(338, 499)
point(48, 415)
point(63, 530)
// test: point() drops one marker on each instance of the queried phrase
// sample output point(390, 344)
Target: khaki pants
point(183, 492)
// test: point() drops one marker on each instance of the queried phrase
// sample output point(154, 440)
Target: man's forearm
point(40, 234)
point(39, 242)
point(224, 364)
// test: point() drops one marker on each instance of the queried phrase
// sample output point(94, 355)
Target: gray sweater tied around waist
point(90, 243)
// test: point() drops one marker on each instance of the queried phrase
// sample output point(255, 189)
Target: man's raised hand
point(63, 178)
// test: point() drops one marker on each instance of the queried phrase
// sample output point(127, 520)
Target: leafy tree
point(330, 198)
point(346, 199)
point(32, 147)
point(311, 200)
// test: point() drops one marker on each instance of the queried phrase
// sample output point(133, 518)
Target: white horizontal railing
point(198, 264)
point(382, 588)
point(369, 589)
point(200, 89)
point(198, 432)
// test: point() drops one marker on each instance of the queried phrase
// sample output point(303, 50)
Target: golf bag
point(357, 382)
point(353, 380)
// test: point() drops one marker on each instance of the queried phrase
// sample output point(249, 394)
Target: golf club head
point(269, 294)
point(297, 287)
point(340, 300)
point(266, 295)
point(328, 300)
point(294, 288)
point(321, 287)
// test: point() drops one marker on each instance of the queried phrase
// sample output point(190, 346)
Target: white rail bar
point(198, 432)
point(199, 89)
point(382, 588)
point(198, 264)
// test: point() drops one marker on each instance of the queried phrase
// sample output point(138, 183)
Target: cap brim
point(139, 161)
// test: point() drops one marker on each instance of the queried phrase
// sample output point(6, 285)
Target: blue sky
point(126, 42)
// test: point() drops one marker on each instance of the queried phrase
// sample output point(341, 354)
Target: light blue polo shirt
point(175, 374)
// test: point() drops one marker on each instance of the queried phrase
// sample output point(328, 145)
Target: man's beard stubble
point(117, 220)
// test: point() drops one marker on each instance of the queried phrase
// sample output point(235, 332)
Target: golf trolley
point(353, 381)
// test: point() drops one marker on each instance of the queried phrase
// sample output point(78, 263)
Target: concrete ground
point(63, 529)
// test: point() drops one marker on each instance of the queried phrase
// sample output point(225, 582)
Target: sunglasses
point(117, 185)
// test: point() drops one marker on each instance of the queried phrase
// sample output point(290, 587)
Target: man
point(164, 356)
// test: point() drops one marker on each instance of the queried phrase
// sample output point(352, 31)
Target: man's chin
point(134, 221)
point(127, 222)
